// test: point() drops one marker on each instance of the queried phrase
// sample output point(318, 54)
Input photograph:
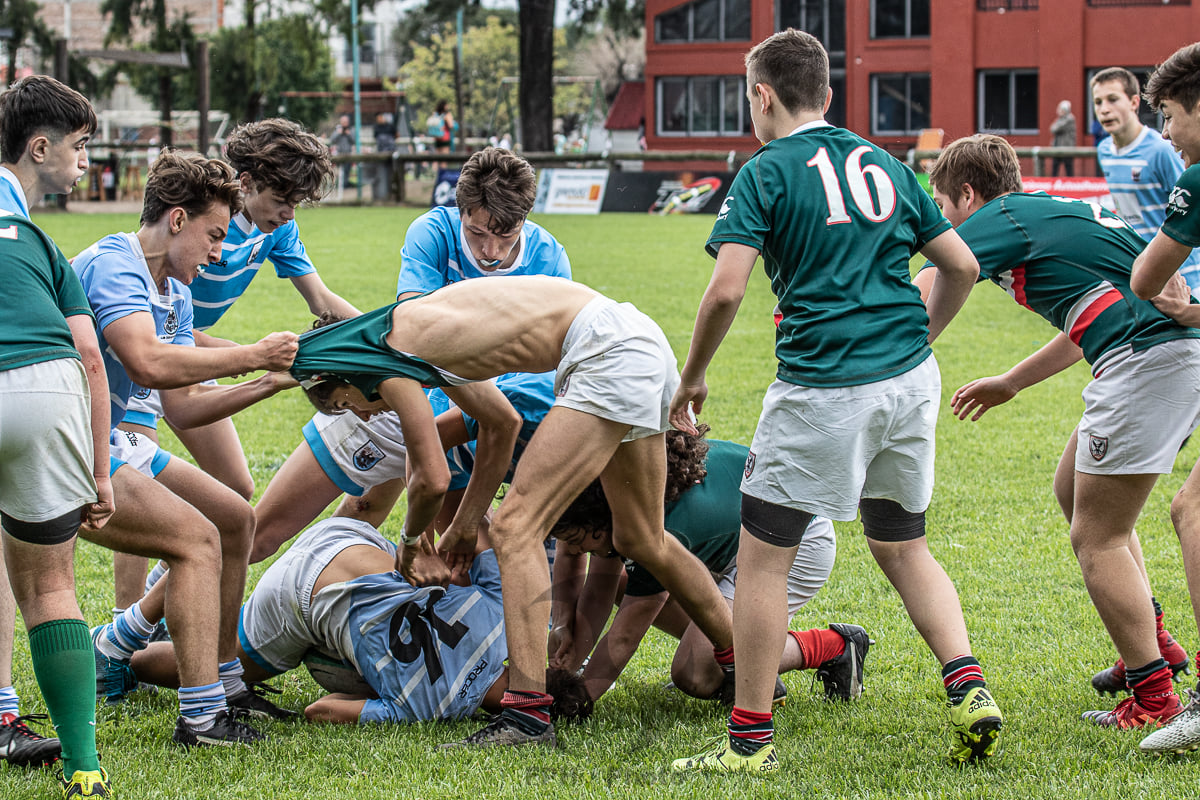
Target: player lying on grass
point(1174, 90)
point(1069, 262)
point(486, 234)
point(425, 654)
point(136, 284)
point(702, 511)
point(615, 374)
point(357, 459)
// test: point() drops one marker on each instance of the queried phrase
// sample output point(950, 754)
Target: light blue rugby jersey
point(117, 281)
point(12, 196)
point(245, 250)
point(429, 653)
point(1139, 178)
point(434, 254)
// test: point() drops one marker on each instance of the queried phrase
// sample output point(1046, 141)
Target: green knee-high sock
point(66, 673)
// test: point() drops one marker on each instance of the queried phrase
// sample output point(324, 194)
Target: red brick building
point(898, 66)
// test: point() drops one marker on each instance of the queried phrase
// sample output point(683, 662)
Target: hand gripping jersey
point(435, 254)
point(245, 250)
point(836, 220)
point(117, 281)
point(1069, 261)
point(1140, 177)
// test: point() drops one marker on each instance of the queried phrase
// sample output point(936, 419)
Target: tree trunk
point(535, 95)
point(166, 98)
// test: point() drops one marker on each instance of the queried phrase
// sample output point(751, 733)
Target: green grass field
point(993, 525)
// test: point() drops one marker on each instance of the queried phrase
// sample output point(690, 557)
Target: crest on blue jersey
point(254, 252)
point(1098, 446)
point(171, 323)
point(367, 456)
point(1135, 173)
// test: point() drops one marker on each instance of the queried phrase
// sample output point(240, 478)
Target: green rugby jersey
point(1070, 262)
point(40, 290)
point(836, 220)
point(706, 519)
point(1183, 218)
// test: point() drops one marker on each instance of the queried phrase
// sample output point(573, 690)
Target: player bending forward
point(615, 376)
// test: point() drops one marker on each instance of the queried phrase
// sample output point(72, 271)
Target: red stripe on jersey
point(1091, 312)
point(1018, 285)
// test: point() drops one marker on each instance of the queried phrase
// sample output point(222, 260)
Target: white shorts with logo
point(1139, 409)
point(809, 571)
point(617, 365)
point(46, 453)
point(275, 626)
point(821, 450)
point(357, 455)
point(145, 407)
point(138, 451)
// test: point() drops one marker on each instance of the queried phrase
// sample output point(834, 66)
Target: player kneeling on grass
point(1069, 262)
point(703, 505)
point(1174, 89)
point(614, 376)
point(423, 654)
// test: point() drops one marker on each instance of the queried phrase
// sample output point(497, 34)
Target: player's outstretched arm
point(612, 653)
point(339, 709)
point(162, 365)
point(321, 298)
point(202, 404)
point(717, 310)
point(1155, 265)
point(428, 474)
point(957, 270)
point(96, 514)
point(980, 395)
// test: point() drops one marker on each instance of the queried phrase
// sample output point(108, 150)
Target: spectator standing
point(1062, 134)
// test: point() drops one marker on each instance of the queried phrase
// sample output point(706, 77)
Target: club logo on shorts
point(750, 464)
point(171, 323)
point(1098, 445)
point(562, 390)
point(142, 393)
point(367, 456)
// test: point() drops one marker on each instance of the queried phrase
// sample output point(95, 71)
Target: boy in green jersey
point(1069, 261)
point(1174, 89)
point(849, 423)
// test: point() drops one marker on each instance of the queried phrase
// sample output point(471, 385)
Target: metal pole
point(357, 97)
point(202, 89)
point(458, 92)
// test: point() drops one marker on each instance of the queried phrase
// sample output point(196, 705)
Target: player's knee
point(237, 528)
point(774, 524)
point(888, 521)
point(1185, 507)
point(52, 531)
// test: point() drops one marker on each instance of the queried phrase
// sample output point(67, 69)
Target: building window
point(366, 45)
point(899, 19)
point(1008, 102)
point(899, 104)
point(702, 106)
point(705, 21)
point(826, 20)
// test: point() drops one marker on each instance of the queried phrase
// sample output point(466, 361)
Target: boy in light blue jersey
point(487, 235)
point(44, 130)
point(137, 287)
point(1139, 166)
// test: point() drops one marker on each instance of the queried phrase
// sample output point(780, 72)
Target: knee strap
point(774, 524)
point(887, 521)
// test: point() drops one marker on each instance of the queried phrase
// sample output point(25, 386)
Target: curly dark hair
point(686, 456)
point(282, 157)
point(571, 699)
point(501, 183)
point(188, 181)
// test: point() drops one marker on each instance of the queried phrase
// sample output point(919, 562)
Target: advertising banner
point(443, 187)
point(570, 191)
point(667, 192)
point(1094, 189)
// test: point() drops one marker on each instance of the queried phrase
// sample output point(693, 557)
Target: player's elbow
point(1141, 283)
point(429, 482)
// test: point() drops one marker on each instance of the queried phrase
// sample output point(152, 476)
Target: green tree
point(299, 60)
point(21, 17)
point(490, 52)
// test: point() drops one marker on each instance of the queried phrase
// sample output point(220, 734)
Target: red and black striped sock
point(724, 658)
point(961, 675)
point(529, 711)
point(750, 731)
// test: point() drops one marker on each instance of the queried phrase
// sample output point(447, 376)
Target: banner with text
point(570, 191)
